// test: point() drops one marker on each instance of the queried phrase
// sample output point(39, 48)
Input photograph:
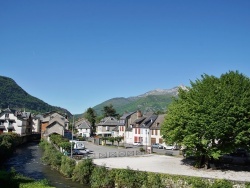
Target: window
point(156, 132)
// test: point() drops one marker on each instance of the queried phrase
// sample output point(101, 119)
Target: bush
point(102, 178)
point(83, 171)
point(37, 184)
point(14, 180)
point(67, 166)
point(129, 178)
point(154, 180)
point(8, 142)
point(142, 150)
point(222, 184)
point(51, 156)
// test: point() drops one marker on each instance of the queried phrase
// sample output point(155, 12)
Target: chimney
point(139, 114)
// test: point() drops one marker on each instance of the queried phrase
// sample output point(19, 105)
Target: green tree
point(211, 118)
point(109, 111)
point(119, 139)
point(90, 115)
point(112, 140)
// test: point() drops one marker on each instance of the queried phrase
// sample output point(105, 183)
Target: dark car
point(240, 156)
point(80, 151)
point(157, 145)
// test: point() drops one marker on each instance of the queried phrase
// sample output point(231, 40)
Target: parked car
point(157, 145)
point(137, 144)
point(171, 147)
point(80, 151)
point(240, 156)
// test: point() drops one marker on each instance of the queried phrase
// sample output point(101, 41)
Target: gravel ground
point(170, 165)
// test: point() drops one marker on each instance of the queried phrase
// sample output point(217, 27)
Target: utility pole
point(72, 137)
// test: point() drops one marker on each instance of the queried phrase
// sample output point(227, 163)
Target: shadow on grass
point(219, 165)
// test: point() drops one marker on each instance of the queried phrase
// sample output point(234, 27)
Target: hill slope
point(15, 97)
point(152, 101)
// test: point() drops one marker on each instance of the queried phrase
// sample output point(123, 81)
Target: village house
point(145, 130)
point(129, 134)
point(141, 131)
point(36, 123)
point(155, 130)
point(107, 126)
point(53, 122)
point(16, 122)
point(125, 121)
point(83, 128)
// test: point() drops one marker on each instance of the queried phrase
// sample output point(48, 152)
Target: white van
point(78, 144)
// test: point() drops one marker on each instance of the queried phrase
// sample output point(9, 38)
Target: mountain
point(15, 97)
point(152, 101)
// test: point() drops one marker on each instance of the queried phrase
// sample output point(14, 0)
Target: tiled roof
point(148, 121)
point(108, 121)
point(158, 122)
point(82, 124)
point(124, 116)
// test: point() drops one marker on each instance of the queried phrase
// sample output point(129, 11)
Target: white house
point(36, 123)
point(16, 122)
point(83, 127)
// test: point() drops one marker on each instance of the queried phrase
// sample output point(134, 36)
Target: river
point(27, 161)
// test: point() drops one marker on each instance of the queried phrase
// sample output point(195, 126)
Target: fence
point(110, 154)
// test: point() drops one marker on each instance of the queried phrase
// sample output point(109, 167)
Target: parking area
point(127, 148)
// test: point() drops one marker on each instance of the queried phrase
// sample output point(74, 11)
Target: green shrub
point(219, 183)
point(102, 178)
point(83, 171)
point(154, 180)
point(51, 156)
point(197, 182)
point(142, 150)
point(8, 142)
point(129, 178)
point(36, 184)
point(67, 166)
point(14, 180)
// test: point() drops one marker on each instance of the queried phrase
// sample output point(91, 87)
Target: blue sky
point(77, 54)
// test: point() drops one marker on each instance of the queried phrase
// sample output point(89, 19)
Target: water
point(27, 161)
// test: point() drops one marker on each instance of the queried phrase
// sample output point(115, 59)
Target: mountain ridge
point(15, 97)
point(151, 101)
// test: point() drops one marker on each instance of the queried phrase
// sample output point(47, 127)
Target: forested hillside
point(154, 102)
point(15, 97)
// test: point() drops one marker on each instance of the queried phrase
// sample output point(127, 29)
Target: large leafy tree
point(90, 115)
point(109, 111)
point(212, 117)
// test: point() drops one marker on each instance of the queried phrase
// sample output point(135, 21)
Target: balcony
point(10, 127)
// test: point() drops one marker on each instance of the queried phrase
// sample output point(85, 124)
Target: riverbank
point(15, 180)
point(26, 160)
